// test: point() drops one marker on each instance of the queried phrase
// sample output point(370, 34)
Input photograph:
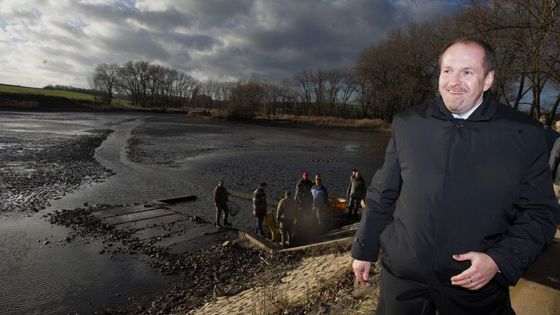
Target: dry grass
point(322, 121)
point(329, 121)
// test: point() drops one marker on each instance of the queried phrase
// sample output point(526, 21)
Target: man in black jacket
point(355, 193)
point(463, 204)
point(259, 207)
point(220, 201)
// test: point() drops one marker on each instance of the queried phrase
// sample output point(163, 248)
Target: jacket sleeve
point(381, 197)
point(535, 225)
point(554, 159)
point(363, 189)
point(280, 209)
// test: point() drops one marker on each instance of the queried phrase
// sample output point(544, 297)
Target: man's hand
point(482, 270)
point(361, 270)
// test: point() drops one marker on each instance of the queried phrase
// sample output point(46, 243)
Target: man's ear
point(488, 80)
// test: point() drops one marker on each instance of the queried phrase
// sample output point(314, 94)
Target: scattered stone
point(219, 291)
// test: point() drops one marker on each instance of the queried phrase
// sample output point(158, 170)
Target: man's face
point(462, 80)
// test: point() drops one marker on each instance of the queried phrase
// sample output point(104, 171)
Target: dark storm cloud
point(216, 14)
point(296, 35)
point(139, 43)
point(196, 42)
point(214, 39)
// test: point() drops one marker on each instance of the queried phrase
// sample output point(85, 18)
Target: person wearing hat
point(303, 196)
point(259, 207)
point(286, 216)
point(220, 201)
point(320, 199)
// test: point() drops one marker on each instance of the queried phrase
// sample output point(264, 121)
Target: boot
point(226, 214)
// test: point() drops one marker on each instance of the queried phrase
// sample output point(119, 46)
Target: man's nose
point(455, 79)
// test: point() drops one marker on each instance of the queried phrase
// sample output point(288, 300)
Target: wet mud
point(36, 169)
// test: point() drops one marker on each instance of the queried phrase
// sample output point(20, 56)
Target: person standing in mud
point(286, 216)
point(463, 204)
point(220, 201)
point(356, 192)
point(259, 207)
point(320, 199)
point(304, 198)
point(350, 184)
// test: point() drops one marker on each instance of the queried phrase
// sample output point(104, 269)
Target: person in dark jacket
point(320, 199)
point(220, 201)
point(463, 203)
point(554, 162)
point(356, 192)
point(350, 184)
point(304, 198)
point(286, 216)
point(259, 207)
point(549, 132)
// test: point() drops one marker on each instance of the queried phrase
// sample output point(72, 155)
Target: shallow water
point(169, 156)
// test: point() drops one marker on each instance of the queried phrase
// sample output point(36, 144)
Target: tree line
point(390, 75)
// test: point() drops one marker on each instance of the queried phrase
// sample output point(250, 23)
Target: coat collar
point(484, 112)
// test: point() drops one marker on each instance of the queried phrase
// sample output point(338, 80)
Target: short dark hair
point(263, 185)
point(489, 63)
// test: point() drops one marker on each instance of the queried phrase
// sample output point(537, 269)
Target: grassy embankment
point(30, 98)
point(26, 97)
point(59, 93)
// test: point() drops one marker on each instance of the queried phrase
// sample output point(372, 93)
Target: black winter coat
point(451, 186)
point(220, 196)
point(259, 202)
point(356, 188)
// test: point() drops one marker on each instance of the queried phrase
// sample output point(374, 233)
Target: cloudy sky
point(61, 41)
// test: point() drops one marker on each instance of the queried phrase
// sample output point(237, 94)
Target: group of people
point(307, 207)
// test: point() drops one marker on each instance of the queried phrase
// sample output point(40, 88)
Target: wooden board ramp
point(165, 223)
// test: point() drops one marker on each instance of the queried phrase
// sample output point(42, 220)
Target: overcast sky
point(61, 42)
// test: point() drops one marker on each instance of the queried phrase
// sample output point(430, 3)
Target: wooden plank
point(201, 242)
point(194, 233)
point(151, 223)
point(171, 227)
point(132, 217)
point(113, 212)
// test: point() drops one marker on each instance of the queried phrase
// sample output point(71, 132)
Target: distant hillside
point(78, 96)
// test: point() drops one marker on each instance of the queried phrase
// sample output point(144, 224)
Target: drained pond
point(65, 178)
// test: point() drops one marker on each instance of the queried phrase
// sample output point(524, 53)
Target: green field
point(28, 90)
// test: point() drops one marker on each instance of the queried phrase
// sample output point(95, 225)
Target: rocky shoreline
point(220, 270)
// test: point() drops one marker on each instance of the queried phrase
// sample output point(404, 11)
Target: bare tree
point(304, 80)
point(523, 32)
point(105, 77)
